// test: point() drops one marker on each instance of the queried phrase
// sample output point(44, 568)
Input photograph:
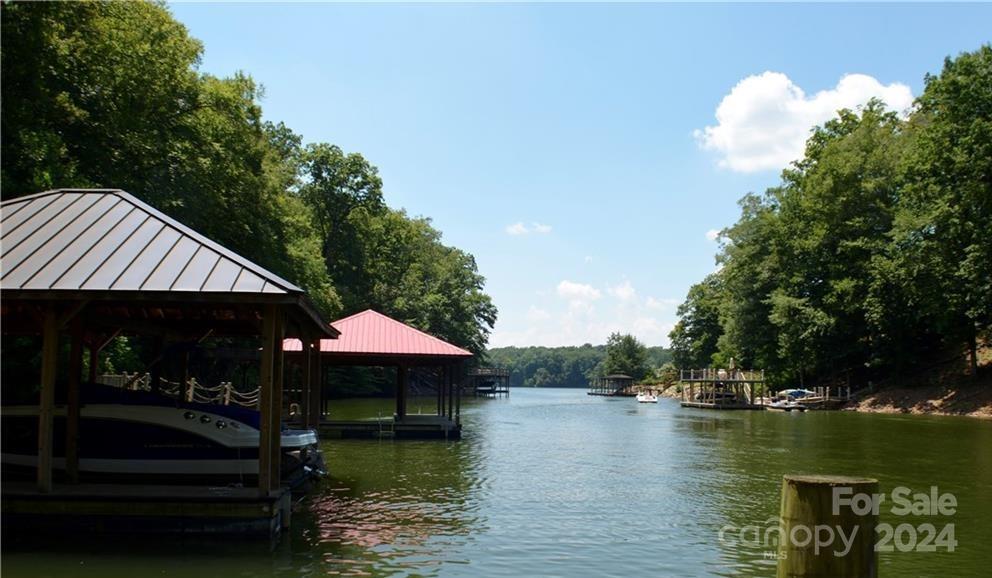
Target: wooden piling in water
point(808, 508)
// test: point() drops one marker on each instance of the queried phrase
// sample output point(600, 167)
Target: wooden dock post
point(72, 408)
point(46, 407)
point(807, 511)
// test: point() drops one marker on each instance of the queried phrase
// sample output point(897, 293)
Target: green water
point(557, 483)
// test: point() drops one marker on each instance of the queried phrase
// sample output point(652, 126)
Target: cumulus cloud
point(712, 234)
point(537, 314)
point(624, 291)
point(520, 228)
point(764, 121)
point(580, 317)
point(578, 291)
point(653, 303)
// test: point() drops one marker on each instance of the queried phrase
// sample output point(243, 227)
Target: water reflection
point(391, 506)
point(560, 483)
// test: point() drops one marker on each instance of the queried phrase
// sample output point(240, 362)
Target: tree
point(942, 246)
point(695, 337)
point(626, 355)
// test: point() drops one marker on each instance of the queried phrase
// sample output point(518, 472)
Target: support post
point(266, 436)
point(400, 392)
point(278, 374)
point(316, 385)
point(458, 402)
point(808, 504)
point(46, 407)
point(305, 369)
point(449, 377)
point(73, 402)
point(441, 392)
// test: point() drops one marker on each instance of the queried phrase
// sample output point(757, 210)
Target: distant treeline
point(564, 366)
point(874, 254)
point(109, 94)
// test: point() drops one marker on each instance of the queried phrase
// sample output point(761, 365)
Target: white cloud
point(713, 234)
point(580, 316)
point(516, 229)
point(519, 228)
point(653, 303)
point(624, 291)
point(578, 291)
point(537, 314)
point(588, 259)
point(765, 120)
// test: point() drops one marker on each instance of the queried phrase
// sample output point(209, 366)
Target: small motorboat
point(131, 435)
point(786, 405)
point(644, 397)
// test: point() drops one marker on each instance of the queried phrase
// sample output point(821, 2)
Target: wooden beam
point(449, 378)
point(316, 385)
point(306, 367)
point(46, 407)
point(72, 401)
point(401, 382)
point(265, 386)
point(278, 373)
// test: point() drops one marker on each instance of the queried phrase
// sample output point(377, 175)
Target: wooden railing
point(715, 374)
point(223, 393)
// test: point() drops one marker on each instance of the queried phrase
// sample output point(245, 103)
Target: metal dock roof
point(108, 240)
point(372, 333)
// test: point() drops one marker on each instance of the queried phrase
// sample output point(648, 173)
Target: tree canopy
point(873, 252)
point(566, 366)
point(109, 94)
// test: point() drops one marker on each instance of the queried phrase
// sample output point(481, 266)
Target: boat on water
point(646, 398)
point(137, 435)
point(786, 405)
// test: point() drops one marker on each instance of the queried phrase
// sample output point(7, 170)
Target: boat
point(786, 405)
point(646, 398)
point(795, 393)
point(139, 435)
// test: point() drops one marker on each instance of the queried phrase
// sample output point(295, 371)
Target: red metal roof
point(372, 333)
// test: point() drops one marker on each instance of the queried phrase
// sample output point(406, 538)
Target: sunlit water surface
point(558, 483)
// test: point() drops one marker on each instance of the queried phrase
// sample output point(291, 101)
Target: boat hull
point(159, 443)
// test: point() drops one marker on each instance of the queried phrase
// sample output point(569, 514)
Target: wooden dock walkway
point(410, 427)
point(131, 508)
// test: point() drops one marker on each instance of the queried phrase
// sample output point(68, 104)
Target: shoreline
point(970, 400)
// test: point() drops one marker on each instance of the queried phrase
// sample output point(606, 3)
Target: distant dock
point(721, 388)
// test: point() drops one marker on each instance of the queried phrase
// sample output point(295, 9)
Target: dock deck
point(133, 508)
point(410, 427)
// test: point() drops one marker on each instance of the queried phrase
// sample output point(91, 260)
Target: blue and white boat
point(140, 435)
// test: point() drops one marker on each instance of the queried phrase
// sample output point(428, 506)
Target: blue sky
point(576, 150)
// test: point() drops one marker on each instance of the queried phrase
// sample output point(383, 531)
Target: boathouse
point(371, 339)
point(616, 384)
point(90, 265)
point(713, 388)
point(489, 382)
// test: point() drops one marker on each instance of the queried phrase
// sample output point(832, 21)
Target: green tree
point(695, 337)
point(942, 249)
point(626, 355)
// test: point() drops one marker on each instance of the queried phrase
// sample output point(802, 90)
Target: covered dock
point(612, 385)
point(489, 382)
point(84, 266)
point(711, 388)
point(372, 339)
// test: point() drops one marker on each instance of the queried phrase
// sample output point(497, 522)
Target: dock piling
point(816, 508)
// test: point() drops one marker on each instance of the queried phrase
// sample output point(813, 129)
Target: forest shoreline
point(969, 400)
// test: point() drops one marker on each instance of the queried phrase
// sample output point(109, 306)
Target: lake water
point(558, 483)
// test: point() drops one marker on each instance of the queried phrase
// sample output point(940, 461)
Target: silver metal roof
point(107, 240)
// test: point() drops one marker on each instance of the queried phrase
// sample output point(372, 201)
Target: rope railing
point(223, 393)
